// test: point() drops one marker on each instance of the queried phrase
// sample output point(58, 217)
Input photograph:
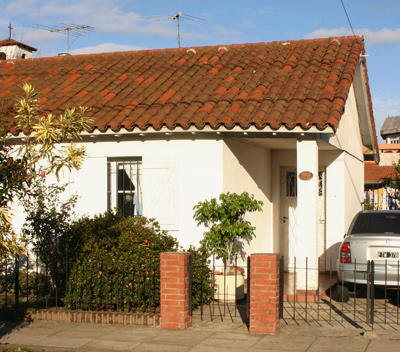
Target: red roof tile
point(302, 83)
point(375, 173)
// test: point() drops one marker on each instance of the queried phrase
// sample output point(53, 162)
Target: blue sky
point(147, 24)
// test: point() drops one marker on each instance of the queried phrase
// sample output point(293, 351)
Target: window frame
point(137, 208)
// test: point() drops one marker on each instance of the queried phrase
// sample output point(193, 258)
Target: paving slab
point(214, 343)
point(104, 345)
point(379, 344)
point(64, 342)
point(23, 340)
point(237, 336)
point(207, 335)
point(339, 344)
point(127, 336)
point(157, 347)
point(228, 347)
point(181, 337)
point(281, 342)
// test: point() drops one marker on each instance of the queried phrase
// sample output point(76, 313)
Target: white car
point(374, 235)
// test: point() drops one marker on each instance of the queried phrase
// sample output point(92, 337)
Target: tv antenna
point(71, 30)
point(178, 17)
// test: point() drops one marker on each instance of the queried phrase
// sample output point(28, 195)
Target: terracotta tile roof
point(299, 83)
point(374, 173)
point(9, 42)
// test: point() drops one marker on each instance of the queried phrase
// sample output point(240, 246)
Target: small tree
point(226, 223)
point(39, 154)
point(48, 226)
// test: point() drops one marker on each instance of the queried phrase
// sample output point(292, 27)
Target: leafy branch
point(226, 222)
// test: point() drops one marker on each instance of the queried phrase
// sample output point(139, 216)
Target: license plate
point(382, 254)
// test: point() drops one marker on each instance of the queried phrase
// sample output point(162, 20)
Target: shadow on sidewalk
point(11, 320)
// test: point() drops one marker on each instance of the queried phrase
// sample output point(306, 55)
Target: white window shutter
point(160, 190)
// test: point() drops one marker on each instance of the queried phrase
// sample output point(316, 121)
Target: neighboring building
point(378, 193)
point(389, 154)
point(390, 130)
point(285, 121)
point(10, 49)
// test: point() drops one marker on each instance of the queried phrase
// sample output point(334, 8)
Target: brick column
point(264, 293)
point(174, 274)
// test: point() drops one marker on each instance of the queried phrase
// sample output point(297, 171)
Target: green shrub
point(115, 263)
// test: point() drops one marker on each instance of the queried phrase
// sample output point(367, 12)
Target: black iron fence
point(222, 291)
point(369, 294)
point(129, 283)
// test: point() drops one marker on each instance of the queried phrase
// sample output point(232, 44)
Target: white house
point(11, 49)
point(286, 121)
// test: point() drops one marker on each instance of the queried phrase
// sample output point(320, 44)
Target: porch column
point(307, 207)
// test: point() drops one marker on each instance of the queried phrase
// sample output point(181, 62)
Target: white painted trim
point(196, 131)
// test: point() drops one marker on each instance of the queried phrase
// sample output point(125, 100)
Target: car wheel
point(342, 293)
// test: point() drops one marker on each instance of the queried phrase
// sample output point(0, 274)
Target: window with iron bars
point(125, 185)
point(291, 184)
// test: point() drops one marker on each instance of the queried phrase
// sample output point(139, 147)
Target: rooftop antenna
point(10, 28)
point(68, 29)
point(178, 17)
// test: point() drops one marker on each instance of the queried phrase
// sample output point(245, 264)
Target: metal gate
point(217, 292)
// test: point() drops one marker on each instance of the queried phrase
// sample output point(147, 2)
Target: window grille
point(291, 184)
point(125, 185)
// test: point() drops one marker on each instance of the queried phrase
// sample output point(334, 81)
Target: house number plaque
point(305, 175)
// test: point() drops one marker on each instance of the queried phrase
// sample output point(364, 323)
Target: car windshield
point(378, 222)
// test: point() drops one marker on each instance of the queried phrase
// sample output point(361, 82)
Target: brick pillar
point(264, 293)
point(174, 274)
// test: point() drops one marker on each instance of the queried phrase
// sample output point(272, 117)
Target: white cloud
point(219, 30)
point(103, 15)
point(382, 36)
point(111, 21)
point(105, 48)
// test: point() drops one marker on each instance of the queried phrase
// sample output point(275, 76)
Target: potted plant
point(227, 229)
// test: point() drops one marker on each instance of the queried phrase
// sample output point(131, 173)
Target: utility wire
point(348, 19)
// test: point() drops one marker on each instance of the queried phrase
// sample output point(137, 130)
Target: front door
point(289, 218)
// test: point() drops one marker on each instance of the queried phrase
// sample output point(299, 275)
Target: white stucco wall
point(15, 52)
point(335, 204)
point(247, 168)
point(347, 136)
point(199, 177)
point(344, 180)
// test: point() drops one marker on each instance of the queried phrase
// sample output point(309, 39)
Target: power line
point(348, 19)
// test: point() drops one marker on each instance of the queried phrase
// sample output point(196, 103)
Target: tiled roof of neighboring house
point(9, 42)
point(299, 83)
point(374, 173)
point(390, 126)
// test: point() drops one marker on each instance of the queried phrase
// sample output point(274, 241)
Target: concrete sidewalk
point(230, 335)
